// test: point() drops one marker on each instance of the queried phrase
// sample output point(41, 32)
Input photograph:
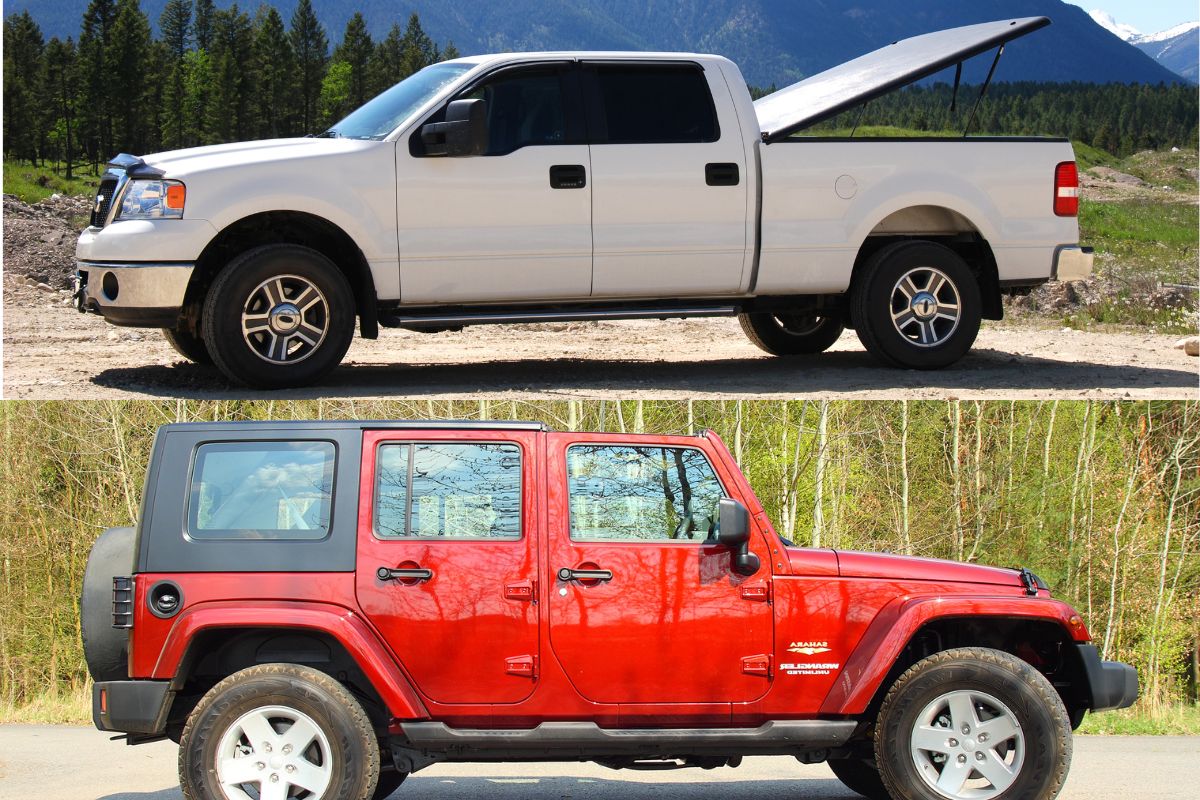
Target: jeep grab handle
point(389, 574)
point(568, 574)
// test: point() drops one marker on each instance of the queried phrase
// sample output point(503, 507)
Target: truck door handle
point(568, 176)
point(568, 574)
point(389, 574)
point(721, 174)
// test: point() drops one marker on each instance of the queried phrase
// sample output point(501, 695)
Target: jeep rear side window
point(261, 490)
point(448, 491)
point(627, 493)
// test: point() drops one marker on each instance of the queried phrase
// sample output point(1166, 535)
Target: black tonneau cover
point(831, 92)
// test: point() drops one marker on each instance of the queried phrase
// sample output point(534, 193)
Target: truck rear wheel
point(791, 334)
point(916, 305)
point(973, 723)
point(278, 732)
point(278, 316)
point(860, 776)
point(188, 345)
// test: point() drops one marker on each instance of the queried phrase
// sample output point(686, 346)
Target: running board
point(484, 317)
point(588, 740)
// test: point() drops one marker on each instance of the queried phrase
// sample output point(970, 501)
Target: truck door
point(649, 611)
point(669, 178)
point(447, 555)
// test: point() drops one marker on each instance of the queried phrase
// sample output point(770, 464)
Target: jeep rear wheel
point(973, 724)
point(278, 732)
point(860, 776)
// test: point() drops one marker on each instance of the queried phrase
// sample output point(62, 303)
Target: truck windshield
point(381, 115)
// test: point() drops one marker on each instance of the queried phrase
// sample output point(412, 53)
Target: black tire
point(389, 782)
point(983, 676)
point(188, 345)
point(792, 334)
point(349, 743)
point(105, 648)
point(872, 303)
point(239, 288)
point(859, 776)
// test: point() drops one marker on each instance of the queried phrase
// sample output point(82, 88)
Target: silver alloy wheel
point(926, 306)
point(967, 745)
point(799, 324)
point(285, 319)
point(276, 752)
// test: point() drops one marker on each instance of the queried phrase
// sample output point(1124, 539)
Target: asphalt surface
point(71, 763)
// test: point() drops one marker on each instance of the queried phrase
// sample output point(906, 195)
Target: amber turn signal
point(176, 194)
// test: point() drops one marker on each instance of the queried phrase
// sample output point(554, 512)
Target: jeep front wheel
point(278, 732)
point(279, 316)
point(973, 724)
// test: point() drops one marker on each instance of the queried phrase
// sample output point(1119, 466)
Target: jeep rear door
point(447, 558)
point(652, 614)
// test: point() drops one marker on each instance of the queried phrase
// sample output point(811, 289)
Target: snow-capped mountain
point(1177, 48)
point(1120, 30)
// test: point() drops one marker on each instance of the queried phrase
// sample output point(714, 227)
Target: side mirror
point(464, 133)
point(733, 531)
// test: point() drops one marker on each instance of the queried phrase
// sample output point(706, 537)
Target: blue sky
point(1148, 16)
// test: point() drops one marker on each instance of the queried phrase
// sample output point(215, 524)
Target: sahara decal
point(808, 648)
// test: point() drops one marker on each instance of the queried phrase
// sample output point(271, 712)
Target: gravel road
point(70, 763)
point(51, 351)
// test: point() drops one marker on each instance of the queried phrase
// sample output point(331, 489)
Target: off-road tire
point(221, 323)
point(871, 305)
point(860, 776)
point(389, 782)
point(1027, 693)
point(777, 333)
point(353, 744)
point(105, 648)
point(188, 345)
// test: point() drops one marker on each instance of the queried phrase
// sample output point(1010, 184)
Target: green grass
point(1175, 720)
point(69, 707)
point(32, 184)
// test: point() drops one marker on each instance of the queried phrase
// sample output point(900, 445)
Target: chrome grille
point(104, 199)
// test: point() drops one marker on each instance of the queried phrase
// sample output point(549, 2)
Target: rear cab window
point(651, 104)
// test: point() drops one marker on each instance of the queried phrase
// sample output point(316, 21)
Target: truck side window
point(653, 104)
point(629, 493)
point(524, 108)
point(448, 491)
point(261, 490)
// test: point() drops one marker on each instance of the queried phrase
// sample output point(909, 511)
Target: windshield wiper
point(329, 134)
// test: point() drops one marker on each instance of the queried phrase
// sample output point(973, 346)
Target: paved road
point(70, 763)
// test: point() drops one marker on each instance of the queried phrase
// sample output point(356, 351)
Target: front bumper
point(1072, 263)
point(137, 294)
point(132, 706)
point(1111, 684)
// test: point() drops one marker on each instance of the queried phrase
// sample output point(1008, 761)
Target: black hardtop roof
point(245, 426)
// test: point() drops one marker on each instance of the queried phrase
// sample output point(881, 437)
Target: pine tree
point(95, 78)
point(232, 53)
point(387, 61)
point(203, 24)
point(419, 49)
point(197, 97)
point(312, 54)
point(23, 95)
point(275, 68)
point(130, 58)
point(175, 24)
point(355, 51)
point(449, 52)
point(334, 102)
point(60, 89)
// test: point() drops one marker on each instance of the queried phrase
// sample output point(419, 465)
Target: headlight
point(152, 199)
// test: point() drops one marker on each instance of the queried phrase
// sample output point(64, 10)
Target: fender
point(348, 628)
point(896, 624)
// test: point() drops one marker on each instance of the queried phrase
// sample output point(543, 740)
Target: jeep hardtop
point(315, 610)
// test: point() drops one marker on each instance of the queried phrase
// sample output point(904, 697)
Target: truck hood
point(829, 93)
point(195, 160)
point(908, 568)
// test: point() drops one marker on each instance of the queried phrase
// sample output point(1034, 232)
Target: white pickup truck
point(534, 187)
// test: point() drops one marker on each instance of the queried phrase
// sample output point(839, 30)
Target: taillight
point(1066, 189)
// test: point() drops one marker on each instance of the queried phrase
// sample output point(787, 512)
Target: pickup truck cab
point(316, 610)
point(534, 187)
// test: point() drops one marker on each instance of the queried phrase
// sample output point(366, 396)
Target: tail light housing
point(1066, 189)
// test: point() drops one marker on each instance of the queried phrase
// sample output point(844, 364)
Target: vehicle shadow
point(983, 372)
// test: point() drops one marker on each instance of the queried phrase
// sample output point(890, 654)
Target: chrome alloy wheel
point(800, 324)
point(274, 753)
point(926, 306)
point(967, 745)
point(285, 319)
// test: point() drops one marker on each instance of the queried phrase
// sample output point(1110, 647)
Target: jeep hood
point(908, 568)
point(195, 160)
point(875, 74)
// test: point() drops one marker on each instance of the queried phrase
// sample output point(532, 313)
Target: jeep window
point(385, 112)
point(653, 104)
point(628, 493)
point(524, 108)
point(261, 490)
point(448, 491)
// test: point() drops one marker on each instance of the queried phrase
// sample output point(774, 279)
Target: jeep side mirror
point(733, 531)
point(464, 133)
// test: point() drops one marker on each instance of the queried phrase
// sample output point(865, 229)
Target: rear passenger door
point(669, 198)
point(447, 559)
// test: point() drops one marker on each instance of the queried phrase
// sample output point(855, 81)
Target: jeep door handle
point(388, 574)
point(568, 574)
point(568, 176)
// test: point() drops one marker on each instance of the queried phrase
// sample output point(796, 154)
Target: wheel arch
point(286, 227)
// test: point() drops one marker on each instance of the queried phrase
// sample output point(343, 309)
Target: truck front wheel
point(791, 333)
point(916, 305)
point(278, 731)
point(278, 316)
point(973, 723)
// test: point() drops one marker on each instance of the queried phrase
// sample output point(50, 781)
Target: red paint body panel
point(894, 567)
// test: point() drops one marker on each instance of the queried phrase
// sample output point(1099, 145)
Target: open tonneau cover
point(831, 92)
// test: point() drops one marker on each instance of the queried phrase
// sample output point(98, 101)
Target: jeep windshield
point(381, 115)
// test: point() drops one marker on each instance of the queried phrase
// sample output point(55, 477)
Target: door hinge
point(758, 592)
point(757, 665)
point(521, 590)
point(522, 666)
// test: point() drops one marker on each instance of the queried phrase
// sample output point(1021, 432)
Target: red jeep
point(317, 609)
